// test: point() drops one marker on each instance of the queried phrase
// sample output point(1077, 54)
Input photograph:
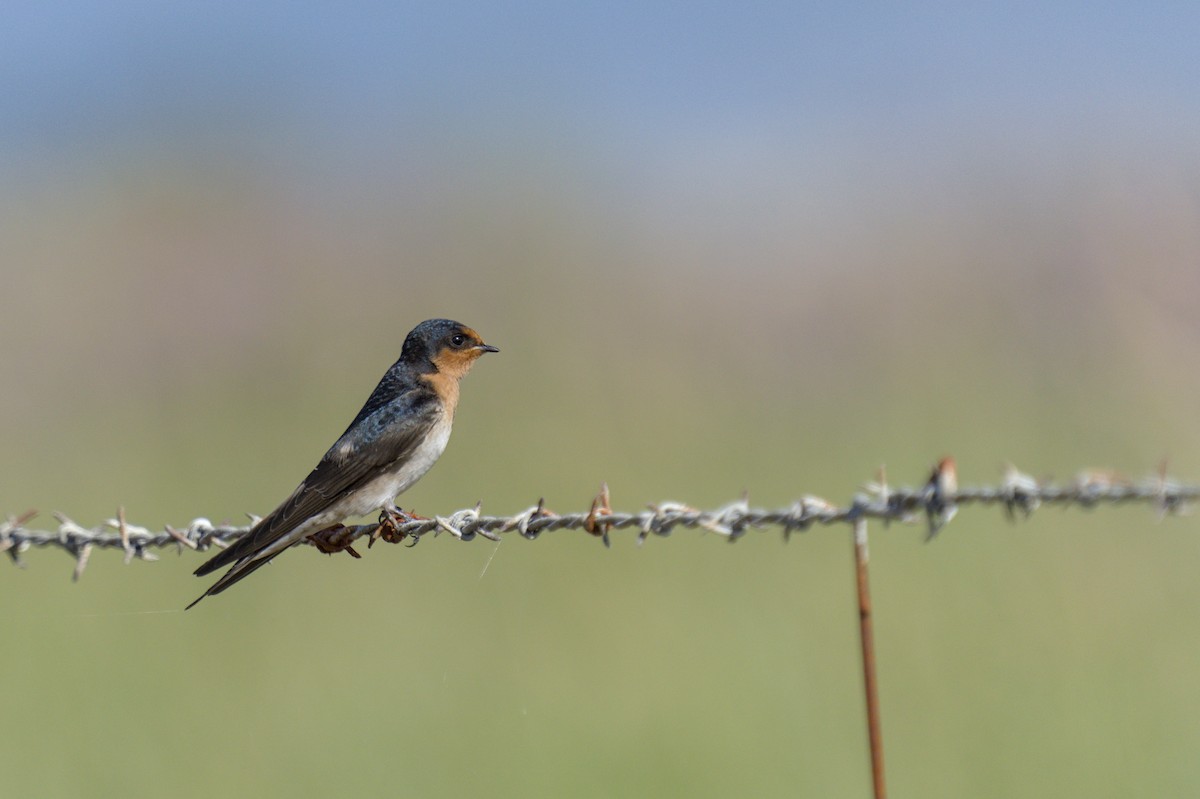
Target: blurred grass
point(189, 347)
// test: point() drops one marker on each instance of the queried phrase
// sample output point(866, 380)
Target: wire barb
point(938, 500)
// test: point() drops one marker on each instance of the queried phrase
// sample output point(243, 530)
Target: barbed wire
point(936, 502)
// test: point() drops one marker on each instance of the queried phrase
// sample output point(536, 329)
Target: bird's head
point(450, 347)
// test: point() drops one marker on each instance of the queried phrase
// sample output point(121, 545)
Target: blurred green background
point(762, 248)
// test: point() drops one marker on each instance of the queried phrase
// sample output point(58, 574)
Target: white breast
point(383, 489)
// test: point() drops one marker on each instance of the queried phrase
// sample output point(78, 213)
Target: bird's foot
point(390, 521)
point(334, 539)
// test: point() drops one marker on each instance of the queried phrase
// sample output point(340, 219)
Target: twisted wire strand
point(937, 502)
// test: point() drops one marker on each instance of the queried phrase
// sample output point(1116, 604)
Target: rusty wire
point(936, 502)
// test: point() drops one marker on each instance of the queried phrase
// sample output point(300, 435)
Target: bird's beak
point(486, 348)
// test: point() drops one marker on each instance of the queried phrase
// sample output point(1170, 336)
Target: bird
point(398, 435)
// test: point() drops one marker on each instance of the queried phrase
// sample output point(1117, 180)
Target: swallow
point(397, 436)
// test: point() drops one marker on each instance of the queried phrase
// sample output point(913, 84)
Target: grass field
point(190, 350)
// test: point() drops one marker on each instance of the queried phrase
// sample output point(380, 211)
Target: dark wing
point(369, 447)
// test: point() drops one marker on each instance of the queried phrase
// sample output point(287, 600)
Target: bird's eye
point(458, 340)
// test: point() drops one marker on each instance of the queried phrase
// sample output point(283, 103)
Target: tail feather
point(239, 572)
point(230, 554)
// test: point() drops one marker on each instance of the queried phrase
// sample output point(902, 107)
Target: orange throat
point(452, 366)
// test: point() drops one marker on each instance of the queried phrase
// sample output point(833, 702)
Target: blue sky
point(84, 79)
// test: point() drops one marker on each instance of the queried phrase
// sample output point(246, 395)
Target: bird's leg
point(334, 539)
point(389, 530)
